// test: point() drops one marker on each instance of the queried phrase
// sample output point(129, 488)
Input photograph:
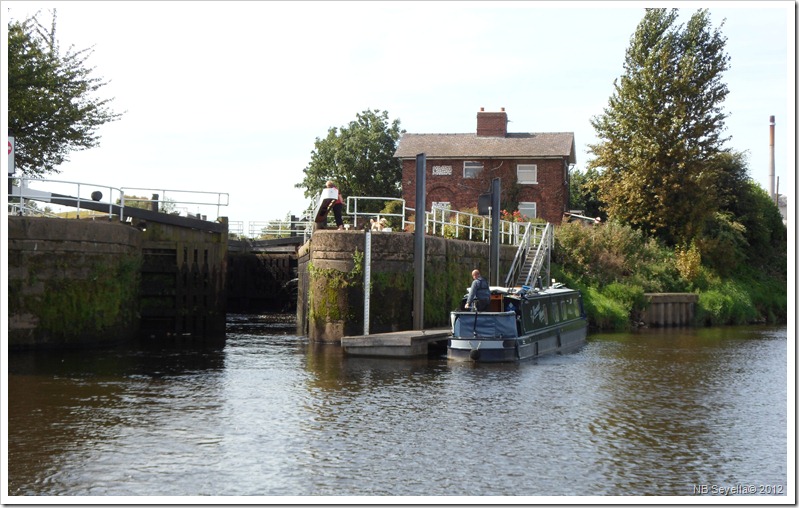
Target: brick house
point(533, 167)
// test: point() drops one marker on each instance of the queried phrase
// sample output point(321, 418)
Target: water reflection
point(270, 414)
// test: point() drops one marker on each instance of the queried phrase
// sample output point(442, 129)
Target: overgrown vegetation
point(684, 214)
point(614, 265)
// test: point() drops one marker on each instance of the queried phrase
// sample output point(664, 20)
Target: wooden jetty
point(401, 344)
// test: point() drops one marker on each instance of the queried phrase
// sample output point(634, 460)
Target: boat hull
point(562, 339)
point(546, 323)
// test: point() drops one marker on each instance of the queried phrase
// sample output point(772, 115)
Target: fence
point(359, 211)
point(438, 222)
point(23, 197)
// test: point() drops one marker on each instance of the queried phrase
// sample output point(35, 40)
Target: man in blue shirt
point(479, 293)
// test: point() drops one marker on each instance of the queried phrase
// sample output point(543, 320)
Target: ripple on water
point(271, 414)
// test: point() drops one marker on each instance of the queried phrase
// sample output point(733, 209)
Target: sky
point(229, 97)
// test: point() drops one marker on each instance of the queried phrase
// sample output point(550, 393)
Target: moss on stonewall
point(105, 300)
point(335, 291)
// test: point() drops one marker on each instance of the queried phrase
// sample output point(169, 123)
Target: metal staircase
point(532, 256)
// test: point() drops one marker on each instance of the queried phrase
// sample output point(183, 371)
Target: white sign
point(10, 155)
point(442, 170)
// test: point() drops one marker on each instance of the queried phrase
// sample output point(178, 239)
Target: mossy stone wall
point(331, 293)
point(71, 282)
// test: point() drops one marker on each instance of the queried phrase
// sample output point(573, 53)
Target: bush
point(612, 252)
point(610, 308)
point(689, 263)
point(630, 297)
point(614, 265)
point(723, 244)
point(726, 304)
point(605, 313)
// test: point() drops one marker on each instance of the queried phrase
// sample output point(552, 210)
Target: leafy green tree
point(583, 193)
point(751, 205)
point(52, 109)
point(747, 227)
point(359, 157)
point(663, 127)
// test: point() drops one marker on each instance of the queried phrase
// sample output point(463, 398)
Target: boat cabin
point(530, 309)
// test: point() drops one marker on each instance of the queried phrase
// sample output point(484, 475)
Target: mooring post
point(493, 259)
point(418, 244)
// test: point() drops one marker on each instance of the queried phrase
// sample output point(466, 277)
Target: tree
point(583, 193)
point(754, 213)
point(662, 127)
point(358, 157)
point(52, 109)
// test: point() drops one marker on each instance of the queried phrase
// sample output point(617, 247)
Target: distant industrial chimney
point(771, 190)
point(492, 124)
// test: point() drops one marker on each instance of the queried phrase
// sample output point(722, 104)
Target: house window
point(472, 169)
point(527, 208)
point(527, 173)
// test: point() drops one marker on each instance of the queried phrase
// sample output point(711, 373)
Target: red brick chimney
point(492, 124)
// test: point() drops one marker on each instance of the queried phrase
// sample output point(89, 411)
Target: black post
point(493, 263)
point(418, 244)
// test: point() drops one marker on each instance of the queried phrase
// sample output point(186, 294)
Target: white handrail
point(438, 221)
point(25, 192)
point(116, 195)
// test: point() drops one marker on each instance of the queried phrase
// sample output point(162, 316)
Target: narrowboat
point(521, 323)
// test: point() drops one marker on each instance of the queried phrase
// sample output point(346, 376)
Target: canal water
point(655, 413)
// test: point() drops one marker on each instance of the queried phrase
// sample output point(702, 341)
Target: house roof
point(516, 145)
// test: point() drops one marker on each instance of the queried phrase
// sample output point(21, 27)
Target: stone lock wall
point(78, 283)
point(331, 273)
point(71, 282)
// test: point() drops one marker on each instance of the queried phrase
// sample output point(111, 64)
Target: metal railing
point(360, 210)
point(235, 227)
point(527, 264)
point(59, 192)
point(469, 226)
point(169, 199)
point(28, 210)
point(353, 204)
point(47, 189)
point(280, 229)
point(358, 214)
point(520, 257)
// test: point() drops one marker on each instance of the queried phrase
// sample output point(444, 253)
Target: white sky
point(230, 96)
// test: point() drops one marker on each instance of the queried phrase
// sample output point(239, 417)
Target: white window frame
point(524, 172)
point(475, 169)
point(528, 205)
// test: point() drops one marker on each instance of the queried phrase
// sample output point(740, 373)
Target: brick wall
point(492, 123)
point(445, 182)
